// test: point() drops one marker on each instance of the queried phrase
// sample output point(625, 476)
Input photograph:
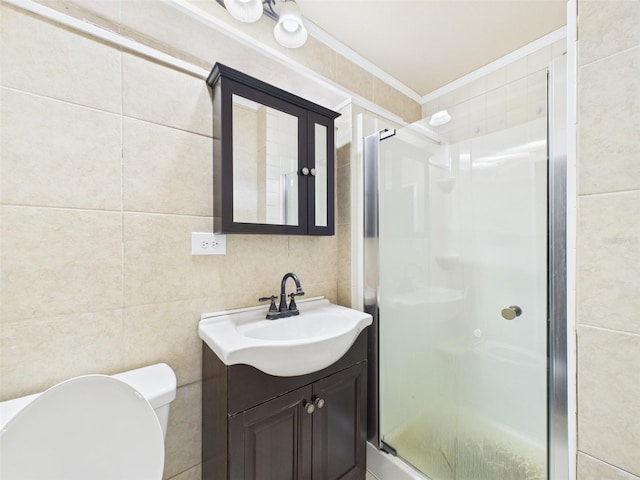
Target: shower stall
point(464, 273)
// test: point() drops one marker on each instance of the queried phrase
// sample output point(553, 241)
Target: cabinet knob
point(309, 408)
point(304, 171)
point(319, 402)
point(313, 172)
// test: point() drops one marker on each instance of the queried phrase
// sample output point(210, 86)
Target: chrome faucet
point(284, 310)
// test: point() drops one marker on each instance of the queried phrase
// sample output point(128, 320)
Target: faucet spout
point(283, 296)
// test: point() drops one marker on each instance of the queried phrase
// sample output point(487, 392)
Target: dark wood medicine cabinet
point(273, 158)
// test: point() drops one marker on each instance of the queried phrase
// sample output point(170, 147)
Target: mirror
point(265, 164)
point(320, 173)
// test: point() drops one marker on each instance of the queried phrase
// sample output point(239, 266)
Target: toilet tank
point(157, 383)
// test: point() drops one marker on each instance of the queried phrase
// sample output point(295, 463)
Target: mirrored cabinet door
point(321, 214)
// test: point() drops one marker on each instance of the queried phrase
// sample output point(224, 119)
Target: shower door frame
point(557, 378)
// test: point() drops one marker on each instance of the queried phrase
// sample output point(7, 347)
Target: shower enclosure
point(464, 274)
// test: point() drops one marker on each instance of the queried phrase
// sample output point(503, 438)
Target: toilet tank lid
point(157, 383)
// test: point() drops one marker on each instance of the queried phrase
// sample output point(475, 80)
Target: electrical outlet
point(204, 243)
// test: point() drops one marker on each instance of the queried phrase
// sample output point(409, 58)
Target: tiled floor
point(370, 476)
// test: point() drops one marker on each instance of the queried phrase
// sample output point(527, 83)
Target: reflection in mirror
point(321, 175)
point(265, 164)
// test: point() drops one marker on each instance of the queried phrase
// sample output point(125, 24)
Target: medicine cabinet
point(273, 165)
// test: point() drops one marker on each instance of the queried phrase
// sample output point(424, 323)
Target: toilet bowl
point(91, 427)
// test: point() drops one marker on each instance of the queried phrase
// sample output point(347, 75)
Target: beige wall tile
point(327, 290)
point(394, 101)
point(344, 126)
point(314, 259)
point(343, 185)
point(343, 155)
point(317, 56)
point(609, 260)
point(158, 265)
point(590, 468)
point(173, 31)
point(38, 57)
point(344, 295)
point(608, 393)
point(354, 78)
point(104, 13)
point(609, 124)
point(166, 170)
point(58, 154)
point(194, 473)
point(37, 354)
point(183, 442)
point(165, 96)
point(56, 262)
point(255, 263)
point(167, 332)
point(343, 233)
point(607, 27)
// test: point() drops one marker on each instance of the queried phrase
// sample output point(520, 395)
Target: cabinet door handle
point(309, 408)
point(304, 171)
point(319, 402)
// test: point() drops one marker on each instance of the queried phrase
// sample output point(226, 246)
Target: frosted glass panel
point(463, 235)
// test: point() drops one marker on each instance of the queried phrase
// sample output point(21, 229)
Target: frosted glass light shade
point(247, 11)
point(439, 118)
point(290, 31)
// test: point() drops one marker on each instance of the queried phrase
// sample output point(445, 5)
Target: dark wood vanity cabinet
point(260, 427)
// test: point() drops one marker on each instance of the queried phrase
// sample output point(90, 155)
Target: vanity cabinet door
point(339, 426)
point(272, 441)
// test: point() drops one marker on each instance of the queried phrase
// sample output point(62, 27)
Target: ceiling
point(426, 44)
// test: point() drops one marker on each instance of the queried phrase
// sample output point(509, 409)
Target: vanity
point(285, 398)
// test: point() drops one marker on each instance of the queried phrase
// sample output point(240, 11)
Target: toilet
point(94, 427)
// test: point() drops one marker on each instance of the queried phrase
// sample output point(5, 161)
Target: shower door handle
point(511, 312)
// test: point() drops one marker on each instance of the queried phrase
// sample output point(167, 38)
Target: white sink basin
point(284, 347)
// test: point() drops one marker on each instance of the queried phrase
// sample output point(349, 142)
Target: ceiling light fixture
point(439, 118)
point(247, 11)
point(289, 31)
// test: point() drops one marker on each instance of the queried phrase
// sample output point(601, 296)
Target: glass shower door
point(463, 291)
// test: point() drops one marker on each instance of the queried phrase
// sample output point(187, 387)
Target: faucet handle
point(292, 303)
point(272, 299)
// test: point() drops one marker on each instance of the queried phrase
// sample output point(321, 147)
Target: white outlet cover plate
point(206, 243)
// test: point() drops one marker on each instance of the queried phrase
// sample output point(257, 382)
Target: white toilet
point(93, 427)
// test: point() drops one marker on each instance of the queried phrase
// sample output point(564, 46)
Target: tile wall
point(608, 240)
